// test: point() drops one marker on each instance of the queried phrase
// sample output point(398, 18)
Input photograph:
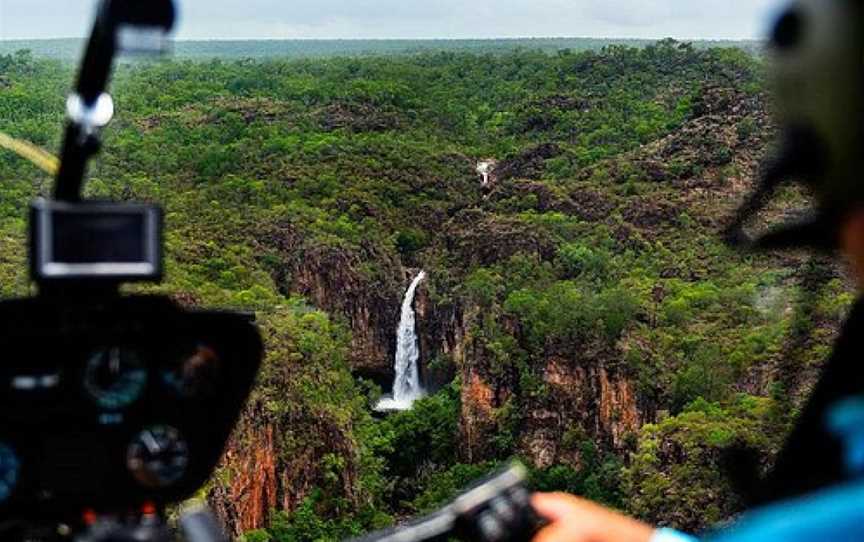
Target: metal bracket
point(90, 118)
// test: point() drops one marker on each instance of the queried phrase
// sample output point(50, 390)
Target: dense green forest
point(580, 313)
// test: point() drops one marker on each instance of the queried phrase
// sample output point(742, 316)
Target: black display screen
point(89, 238)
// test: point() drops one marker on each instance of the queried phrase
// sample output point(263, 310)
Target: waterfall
point(485, 169)
point(406, 386)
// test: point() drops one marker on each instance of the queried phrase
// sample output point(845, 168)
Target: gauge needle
point(114, 363)
point(151, 442)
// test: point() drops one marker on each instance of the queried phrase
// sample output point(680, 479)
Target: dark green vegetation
point(597, 327)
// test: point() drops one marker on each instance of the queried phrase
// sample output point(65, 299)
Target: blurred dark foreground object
point(112, 407)
point(817, 74)
point(196, 525)
point(496, 509)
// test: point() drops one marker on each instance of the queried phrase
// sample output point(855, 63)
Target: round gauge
point(197, 373)
point(158, 456)
point(10, 468)
point(114, 377)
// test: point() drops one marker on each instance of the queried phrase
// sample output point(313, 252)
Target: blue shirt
point(835, 515)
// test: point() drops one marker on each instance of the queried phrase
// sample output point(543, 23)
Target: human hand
point(577, 520)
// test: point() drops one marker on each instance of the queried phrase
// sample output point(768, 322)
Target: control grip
point(496, 509)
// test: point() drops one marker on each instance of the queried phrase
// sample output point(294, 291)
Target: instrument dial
point(114, 377)
point(10, 469)
point(197, 374)
point(158, 456)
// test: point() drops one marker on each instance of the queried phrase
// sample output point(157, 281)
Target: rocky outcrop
point(584, 395)
point(361, 284)
point(477, 422)
point(273, 464)
point(726, 127)
point(528, 164)
point(483, 239)
point(331, 279)
point(253, 489)
point(443, 338)
point(544, 197)
point(364, 286)
point(586, 391)
point(358, 117)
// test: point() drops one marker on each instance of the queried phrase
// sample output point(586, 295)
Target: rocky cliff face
point(298, 431)
point(589, 392)
point(255, 488)
point(274, 463)
point(443, 338)
point(361, 285)
point(586, 394)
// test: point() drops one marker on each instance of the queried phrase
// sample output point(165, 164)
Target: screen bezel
point(46, 267)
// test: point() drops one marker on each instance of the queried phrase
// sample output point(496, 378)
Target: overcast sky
point(283, 19)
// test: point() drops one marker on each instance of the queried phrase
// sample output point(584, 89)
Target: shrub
point(598, 479)
point(617, 308)
point(565, 311)
point(410, 240)
point(577, 260)
point(258, 535)
point(484, 286)
point(676, 477)
point(426, 433)
point(745, 128)
point(707, 375)
point(307, 523)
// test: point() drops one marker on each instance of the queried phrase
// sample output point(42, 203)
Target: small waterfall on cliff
point(406, 386)
point(484, 169)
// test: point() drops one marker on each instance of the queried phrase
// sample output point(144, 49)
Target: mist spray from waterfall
point(406, 386)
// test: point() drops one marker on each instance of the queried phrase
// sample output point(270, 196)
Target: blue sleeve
point(669, 535)
point(835, 515)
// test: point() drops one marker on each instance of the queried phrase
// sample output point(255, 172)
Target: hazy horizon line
point(499, 38)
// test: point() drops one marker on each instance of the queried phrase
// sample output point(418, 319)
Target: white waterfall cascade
point(406, 386)
point(484, 169)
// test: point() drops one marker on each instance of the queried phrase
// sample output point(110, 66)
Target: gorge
point(580, 311)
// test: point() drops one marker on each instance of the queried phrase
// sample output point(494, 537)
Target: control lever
point(497, 509)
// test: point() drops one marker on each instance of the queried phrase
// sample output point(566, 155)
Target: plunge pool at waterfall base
point(389, 404)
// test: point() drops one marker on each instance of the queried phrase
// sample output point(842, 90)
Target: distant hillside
point(70, 49)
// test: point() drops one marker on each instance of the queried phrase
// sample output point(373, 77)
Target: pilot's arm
point(835, 515)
